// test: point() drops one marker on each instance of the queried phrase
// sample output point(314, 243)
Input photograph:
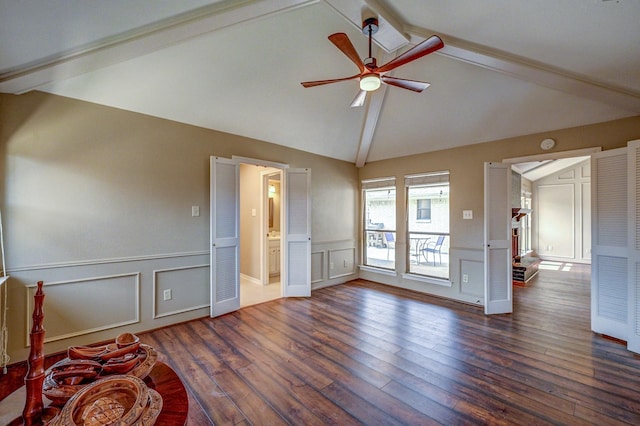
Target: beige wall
point(466, 178)
point(562, 215)
point(250, 183)
point(97, 202)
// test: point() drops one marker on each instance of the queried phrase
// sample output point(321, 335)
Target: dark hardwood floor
point(365, 353)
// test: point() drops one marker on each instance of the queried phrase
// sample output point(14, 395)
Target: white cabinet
point(274, 256)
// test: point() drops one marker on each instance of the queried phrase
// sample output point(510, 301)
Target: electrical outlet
point(465, 278)
point(166, 295)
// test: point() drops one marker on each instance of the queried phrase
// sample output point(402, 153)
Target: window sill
point(429, 280)
point(378, 270)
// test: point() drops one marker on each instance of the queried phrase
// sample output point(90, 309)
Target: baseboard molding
point(251, 279)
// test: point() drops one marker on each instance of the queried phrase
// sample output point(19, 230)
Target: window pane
point(380, 227)
point(424, 209)
point(428, 230)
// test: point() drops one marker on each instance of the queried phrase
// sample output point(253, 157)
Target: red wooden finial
point(32, 414)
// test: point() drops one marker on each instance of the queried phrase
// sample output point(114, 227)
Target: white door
point(498, 286)
point(296, 273)
point(633, 333)
point(609, 253)
point(224, 266)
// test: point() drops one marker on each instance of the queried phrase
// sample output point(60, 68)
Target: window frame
point(427, 179)
point(378, 184)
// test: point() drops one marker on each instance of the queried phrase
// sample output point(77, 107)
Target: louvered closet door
point(498, 287)
point(609, 267)
point(633, 338)
point(297, 245)
point(224, 266)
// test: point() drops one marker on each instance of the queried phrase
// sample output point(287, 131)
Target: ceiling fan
point(370, 74)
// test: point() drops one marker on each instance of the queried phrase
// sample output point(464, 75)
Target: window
point(428, 224)
point(379, 230)
point(423, 209)
point(525, 225)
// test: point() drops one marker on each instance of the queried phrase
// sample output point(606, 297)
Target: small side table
point(162, 378)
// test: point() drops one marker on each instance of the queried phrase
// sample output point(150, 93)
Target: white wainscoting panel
point(471, 278)
point(317, 266)
point(189, 290)
point(108, 302)
point(467, 274)
point(341, 262)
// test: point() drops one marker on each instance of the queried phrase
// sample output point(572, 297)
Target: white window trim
point(382, 271)
point(426, 279)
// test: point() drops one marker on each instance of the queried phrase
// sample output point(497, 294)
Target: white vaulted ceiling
point(509, 67)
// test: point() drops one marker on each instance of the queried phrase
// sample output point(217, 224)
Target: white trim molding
point(155, 295)
point(135, 276)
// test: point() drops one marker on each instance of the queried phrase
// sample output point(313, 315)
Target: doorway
point(614, 295)
point(498, 217)
point(271, 225)
point(260, 225)
point(557, 186)
point(554, 197)
point(225, 225)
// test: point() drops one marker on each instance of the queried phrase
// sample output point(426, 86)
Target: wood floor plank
point(281, 347)
point(286, 390)
point(335, 360)
point(224, 372)
point(193, 367)
point(364, 409)
point(428, 406)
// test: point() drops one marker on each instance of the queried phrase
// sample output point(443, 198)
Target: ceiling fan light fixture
point(370, 82)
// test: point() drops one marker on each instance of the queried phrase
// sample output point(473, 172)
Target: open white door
point(296, 279)
point(498, 283)
point(224, 266)
point(633, 334)
point(609, 251)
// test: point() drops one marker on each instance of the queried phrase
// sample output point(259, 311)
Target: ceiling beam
point(371, 117)
point(141, 41)
point(531, 71)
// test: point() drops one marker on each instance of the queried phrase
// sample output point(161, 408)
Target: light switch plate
point(195, 211)
point(467, 214)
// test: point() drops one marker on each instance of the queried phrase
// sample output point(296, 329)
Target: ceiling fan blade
point(431, 44)
point(416, 86)
point(358, 101)
point(321, 82)
point(343, 43)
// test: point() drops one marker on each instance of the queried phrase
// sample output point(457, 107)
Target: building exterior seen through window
point(428, 224)
point(427, 215)
point(379, 224)
point(423, 209)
